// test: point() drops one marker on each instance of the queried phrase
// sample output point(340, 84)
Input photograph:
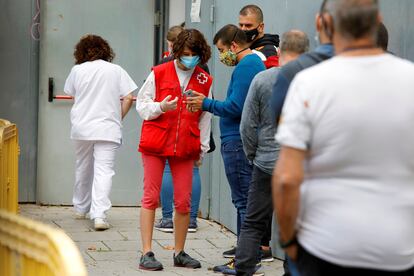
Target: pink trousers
point(182, 174)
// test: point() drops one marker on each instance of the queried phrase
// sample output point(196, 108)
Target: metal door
point(215, 192)
point(128, 25)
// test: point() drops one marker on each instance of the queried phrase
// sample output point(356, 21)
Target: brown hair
point(173, 32)
point(355, 19)
point(92, 47)
point(195, 41)
point(230, 33)
point(382, 37)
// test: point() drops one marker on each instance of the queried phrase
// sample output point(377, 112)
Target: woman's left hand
point(195, 102)
point(198, 163)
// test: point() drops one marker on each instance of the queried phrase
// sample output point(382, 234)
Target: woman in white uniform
point(97, 86)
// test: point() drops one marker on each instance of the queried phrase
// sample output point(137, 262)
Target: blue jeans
point(239, 174)
point(167, 194)
point(293, 269)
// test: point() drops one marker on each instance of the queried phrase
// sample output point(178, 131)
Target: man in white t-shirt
point(97, 86)
point(344, 183)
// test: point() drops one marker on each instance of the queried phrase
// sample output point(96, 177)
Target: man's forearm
point(286, 200)
point(287, 178)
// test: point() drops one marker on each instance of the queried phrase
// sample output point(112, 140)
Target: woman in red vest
point(172, 132)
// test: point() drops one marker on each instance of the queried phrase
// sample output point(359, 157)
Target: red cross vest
point(176, 132)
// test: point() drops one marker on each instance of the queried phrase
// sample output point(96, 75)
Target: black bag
point(212, 143)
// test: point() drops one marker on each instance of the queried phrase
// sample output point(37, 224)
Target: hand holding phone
point(189, 93)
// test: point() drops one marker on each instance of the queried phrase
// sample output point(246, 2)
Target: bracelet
point(288, 243)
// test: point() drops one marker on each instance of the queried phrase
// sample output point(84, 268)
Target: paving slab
point(194, 244)
point(223, 243)
point(116, 251)
point(123, 245)
point(113, 255)
point(96, 236)
point(92, 246)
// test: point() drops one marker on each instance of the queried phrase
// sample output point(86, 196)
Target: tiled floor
point(116, 251)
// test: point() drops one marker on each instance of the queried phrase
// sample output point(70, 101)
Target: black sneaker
point(148, 262)
point(258, 271)
point(226, 266)
point(184, 260)
point(165, 225)
point(230, 253)
point(192, 227)
point(266, 255)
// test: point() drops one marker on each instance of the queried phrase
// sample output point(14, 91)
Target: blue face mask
point(190, 62)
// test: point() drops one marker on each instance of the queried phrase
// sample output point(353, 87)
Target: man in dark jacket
point(264, 45)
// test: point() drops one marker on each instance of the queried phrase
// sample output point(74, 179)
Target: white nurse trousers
point(93, 177)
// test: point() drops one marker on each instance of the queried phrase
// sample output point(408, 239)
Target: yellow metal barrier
point(32, 248)
point(9, 153)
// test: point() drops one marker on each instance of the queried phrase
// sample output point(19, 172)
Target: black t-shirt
point(267, 45)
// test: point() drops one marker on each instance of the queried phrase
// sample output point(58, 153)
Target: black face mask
point(251, 34)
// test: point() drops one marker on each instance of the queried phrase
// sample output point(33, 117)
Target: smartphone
point(189, 93)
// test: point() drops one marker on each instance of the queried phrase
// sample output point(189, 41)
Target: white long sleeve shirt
point(148, 109)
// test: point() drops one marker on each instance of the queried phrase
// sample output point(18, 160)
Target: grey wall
point(398, 18)
point(19, 82)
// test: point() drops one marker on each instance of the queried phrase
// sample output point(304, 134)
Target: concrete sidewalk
point(116, 251)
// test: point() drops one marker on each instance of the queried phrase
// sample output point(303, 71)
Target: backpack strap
point(304, 61)
point(312, 58)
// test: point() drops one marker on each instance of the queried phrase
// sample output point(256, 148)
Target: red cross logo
point(202, 78)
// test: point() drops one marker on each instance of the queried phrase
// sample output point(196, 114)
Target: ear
point(380, 18)
point(318, 22)
point(234, 47)
point(260, 28)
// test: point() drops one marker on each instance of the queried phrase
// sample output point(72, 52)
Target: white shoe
point(100, 224)
point(79, 215)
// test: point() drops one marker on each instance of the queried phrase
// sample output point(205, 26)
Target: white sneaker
point(100, 224)
point(79, 215)
point(259, 272)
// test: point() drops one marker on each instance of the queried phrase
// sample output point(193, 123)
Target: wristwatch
point(288, 243)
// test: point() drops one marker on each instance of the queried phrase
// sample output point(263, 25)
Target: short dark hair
point(195, 41)
point(356, 18)
point(294, 41)
point(382, 37)
point(92, 47)
point(253, 9)
point(230, 33)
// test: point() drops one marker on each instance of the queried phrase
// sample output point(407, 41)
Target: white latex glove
point(167, 105)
